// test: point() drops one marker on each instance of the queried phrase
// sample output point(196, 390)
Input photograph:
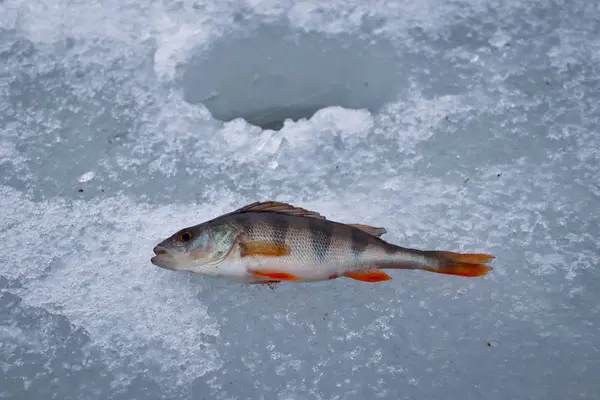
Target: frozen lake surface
point(457, 125)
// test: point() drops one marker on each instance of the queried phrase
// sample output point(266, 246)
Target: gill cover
point(209, 245)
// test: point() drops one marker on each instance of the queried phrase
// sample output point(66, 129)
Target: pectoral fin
point(267, 249)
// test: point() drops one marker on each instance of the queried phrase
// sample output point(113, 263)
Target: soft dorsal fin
point(277, 207)
point(369, 229)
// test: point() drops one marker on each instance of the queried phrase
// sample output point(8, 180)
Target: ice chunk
point(86, 177)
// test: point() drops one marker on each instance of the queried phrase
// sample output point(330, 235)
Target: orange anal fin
point(369, 276)
point(274, 275)
point(268, 249)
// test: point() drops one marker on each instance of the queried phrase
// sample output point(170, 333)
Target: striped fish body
point(271, 242)
point(305, 248)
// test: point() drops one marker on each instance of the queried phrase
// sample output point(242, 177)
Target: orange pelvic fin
point(274, 275)
point(268, 249)
point(369, 276)
point(469, 265)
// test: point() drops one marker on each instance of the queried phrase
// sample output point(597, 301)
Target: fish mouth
point(161, 251)
point(163, 261)
point(163, 258)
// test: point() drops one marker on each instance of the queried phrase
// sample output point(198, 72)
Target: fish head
point(199, 248)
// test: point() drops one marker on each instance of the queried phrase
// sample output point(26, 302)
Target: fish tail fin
point(462, 264)
point(442, 262)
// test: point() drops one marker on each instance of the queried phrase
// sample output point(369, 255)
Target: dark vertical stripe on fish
point(245, 223)
point(359, 242)
point(321, 234)
point(281, 226)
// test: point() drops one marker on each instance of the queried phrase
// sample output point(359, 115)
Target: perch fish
point(269, 242)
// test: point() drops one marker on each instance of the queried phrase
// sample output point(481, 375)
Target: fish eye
point(185, 236)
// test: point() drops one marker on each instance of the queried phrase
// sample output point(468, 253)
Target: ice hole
point(270, 73)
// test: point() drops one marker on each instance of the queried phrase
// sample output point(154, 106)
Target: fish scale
point(270, 241)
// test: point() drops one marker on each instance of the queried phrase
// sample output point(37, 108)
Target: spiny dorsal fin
point(369, 229)
point(277, 207)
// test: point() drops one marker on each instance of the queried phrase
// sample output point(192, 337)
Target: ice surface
point(478, 134)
